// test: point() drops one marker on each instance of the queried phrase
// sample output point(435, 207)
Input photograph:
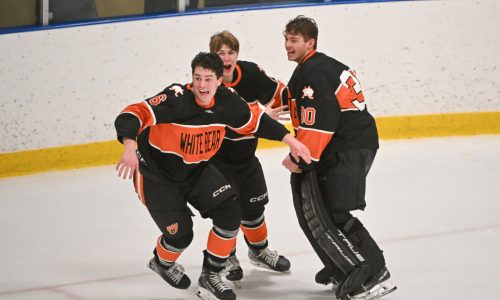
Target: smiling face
point(229, 58)
point(301, 37)
point(205, 83)
point(296, 47)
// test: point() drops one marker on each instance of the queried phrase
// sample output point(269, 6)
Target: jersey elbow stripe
point(278, 94)
point(253, 123)
point(315, 140)
point(319, 131)
point(143, 112)
point(246, 137)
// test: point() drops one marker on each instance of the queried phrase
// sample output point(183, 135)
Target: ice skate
point(232, 271)
point(173, 275)
point(211, 287)
point(325, 277)
point(376, 288)
point(269, 259)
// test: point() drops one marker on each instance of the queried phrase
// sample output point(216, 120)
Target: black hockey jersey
point(328, 108)
point(175, 135)
point(252, 84)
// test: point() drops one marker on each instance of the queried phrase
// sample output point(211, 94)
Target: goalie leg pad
point(344, 254)
point(358, 234)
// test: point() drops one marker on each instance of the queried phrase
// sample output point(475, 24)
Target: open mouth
point(227, 67)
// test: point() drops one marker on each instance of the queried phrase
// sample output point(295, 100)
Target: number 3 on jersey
point(349, 92)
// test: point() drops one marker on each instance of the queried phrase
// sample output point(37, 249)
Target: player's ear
point(219, 80)
point(311, 43)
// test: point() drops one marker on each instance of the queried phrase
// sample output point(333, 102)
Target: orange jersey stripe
point(165, 254)
point(277, 97)
point(193, 143)
point(252, 125)
point(219, 246)
point(255, 235)
point(139, 187)
point(143, 112)
point(315, 140)
point(292, 106)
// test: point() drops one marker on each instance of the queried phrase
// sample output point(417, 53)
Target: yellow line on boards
point(108, 152)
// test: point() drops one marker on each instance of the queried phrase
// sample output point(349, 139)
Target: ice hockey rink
point(433, 205)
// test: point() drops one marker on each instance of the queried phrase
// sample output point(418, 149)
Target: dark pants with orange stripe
point(209, 193)
point(250, 185)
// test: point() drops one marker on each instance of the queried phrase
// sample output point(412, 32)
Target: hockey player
point(330, 117)
point(177, 132)
point(236, 159)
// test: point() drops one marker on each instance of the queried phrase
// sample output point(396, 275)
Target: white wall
point(65, 86)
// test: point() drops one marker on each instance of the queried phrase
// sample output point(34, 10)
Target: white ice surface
point(433, 206)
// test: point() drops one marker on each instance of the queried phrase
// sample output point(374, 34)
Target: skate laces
point(217, 282)
point(269, 257)
point(175, 272)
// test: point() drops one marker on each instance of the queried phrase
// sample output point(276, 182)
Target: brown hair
point(224, 38)
point(210, 61)
point(305, 26)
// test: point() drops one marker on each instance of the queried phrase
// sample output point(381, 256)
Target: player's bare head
point(210, 61)
point(224, 38)
point(302, 25)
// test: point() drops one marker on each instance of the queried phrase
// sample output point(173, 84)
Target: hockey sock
point(219, 246)
point(167, 254)
point(255, 233)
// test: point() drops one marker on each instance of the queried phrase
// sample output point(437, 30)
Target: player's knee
point(340, 218)
point(252, 214)
point(177, 230)
point(181, 241)
point(227, 215)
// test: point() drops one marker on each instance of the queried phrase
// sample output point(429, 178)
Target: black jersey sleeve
point(251, 119)
point(127, 126)
point(268, 86)
point(271, 129)
point(134, 118)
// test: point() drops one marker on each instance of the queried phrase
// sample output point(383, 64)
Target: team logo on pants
point(172, 228)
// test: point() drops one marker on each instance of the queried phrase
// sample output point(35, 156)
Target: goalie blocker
point(331, 243)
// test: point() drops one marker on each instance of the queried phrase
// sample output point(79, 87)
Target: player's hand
point(129, 163)
point(297, 149)
point(290, 165)
point(280, 113)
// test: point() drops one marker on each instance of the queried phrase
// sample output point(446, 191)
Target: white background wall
point(66, 86)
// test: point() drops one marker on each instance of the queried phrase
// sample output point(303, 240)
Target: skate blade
point(264, 266)
point(375, 292)
point(205, 294)
point(382, 292)
point(236, 283)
